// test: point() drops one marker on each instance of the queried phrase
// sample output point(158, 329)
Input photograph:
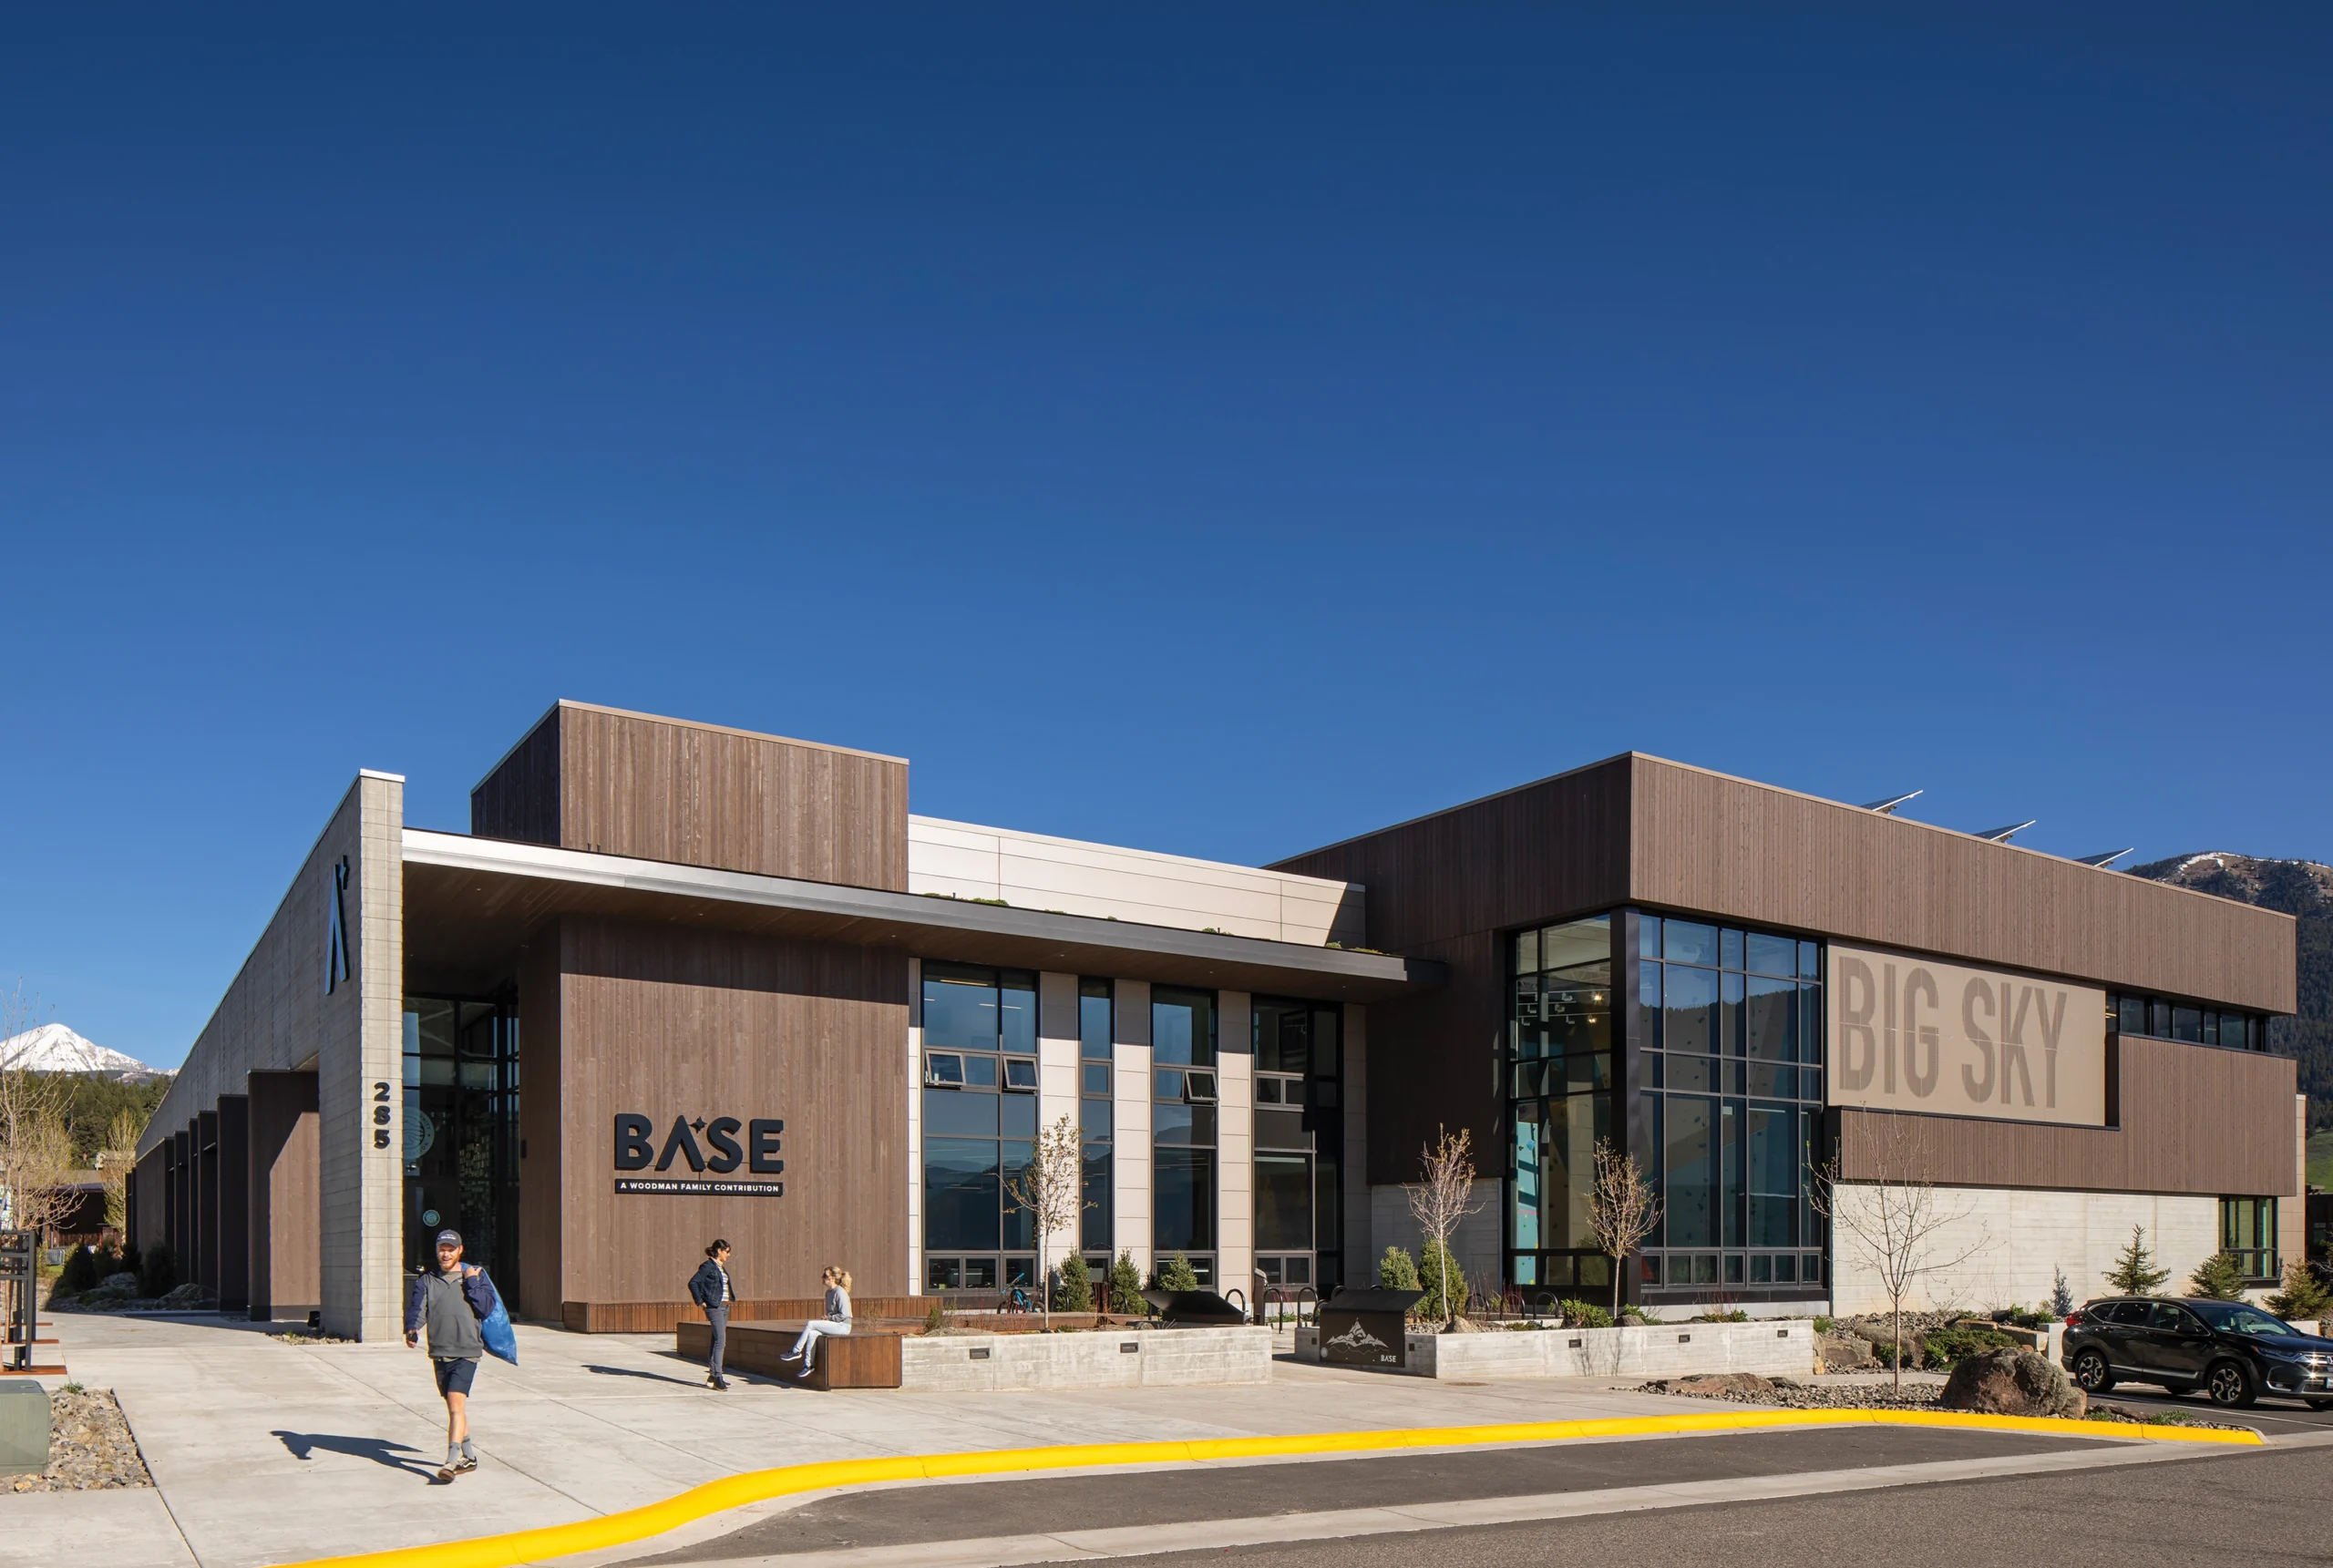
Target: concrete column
point(915, 1126)
point(181, 1202)
point(207, 1195)
point(360, 1067)
point(1057, 1077)
point(1131, 1089)
point(1235, 1149)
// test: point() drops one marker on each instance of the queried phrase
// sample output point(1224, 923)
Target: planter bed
point(1885, 1396)
point(1775, 1346)
point(972, 1361)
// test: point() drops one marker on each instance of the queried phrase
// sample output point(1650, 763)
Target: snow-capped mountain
point(53, 1047)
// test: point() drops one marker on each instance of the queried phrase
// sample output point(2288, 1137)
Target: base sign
point(1366, 1327)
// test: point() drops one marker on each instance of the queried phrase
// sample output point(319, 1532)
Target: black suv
point(2231, 1349)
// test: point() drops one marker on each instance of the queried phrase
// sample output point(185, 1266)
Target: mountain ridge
point(56, 1048)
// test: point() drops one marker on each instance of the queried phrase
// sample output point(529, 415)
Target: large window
point(1298, 1142)
point(2248, 1230)
point(1183, 1111)
point(980, 1125)
point(1096, 1032)
point(2162, 1017)
point(1730, 1022)
point(461, 1131)
point(1561, 1083)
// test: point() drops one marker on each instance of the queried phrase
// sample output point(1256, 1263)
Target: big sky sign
point(1912, 1034)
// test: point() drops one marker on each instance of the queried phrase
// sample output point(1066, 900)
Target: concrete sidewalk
point(265, 1452)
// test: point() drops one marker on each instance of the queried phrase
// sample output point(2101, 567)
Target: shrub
point(2219, 1277)
point(1126, 1287)
point(935, 1317)
point(1179, 1274)
point(1824, 1326)
point(1946, 1347)
point(1631, 1313)
point(159, 1274)
point(1720, 1315)
point(79, 1273)
point(1438, 1272)
point(1397, 1270)
point(2303, 1295)
point(1074, 1293)
point(1584, 1314)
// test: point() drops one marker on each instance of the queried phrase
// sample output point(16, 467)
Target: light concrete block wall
point(1235, 1150)
point(1071, 876)
point(1479, 1243)
point(1772, 1348)
point(1160, 1358)
point(282, 1012)
point(915, 1126)
point(1130, 1087)
point(2016, 1239)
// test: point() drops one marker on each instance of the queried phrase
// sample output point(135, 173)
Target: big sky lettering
point(1914, 1034)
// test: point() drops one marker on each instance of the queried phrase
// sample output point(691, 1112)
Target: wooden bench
point(862, 1360)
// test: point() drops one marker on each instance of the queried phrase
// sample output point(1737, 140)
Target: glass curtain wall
point(461, 1131)
point(1298, 1143)
point(1730, 1022)
point(1183, 1109)
point(979, 1125)
point(1097, 1029)
point(1560, 1085)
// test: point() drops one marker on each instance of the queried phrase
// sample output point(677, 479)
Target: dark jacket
point(705, 1286)
point(477, 1292)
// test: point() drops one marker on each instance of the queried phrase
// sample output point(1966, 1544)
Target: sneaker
point(468, 1463)
point(721, 1386)
point(445, 1473)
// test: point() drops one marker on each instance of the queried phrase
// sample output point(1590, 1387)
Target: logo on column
point(336, 929)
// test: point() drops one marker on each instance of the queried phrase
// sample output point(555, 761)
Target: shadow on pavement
point(380, 1451)
point(651, 1376)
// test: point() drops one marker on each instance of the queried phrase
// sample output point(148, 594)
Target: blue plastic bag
point(495, 1327)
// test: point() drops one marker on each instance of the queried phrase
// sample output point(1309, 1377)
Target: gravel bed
point(310, 1337)
point(1910, 1397)
point(89, 1448)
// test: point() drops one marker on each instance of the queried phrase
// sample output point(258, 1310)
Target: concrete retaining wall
point(1158, 1358)
point(1671, 1351)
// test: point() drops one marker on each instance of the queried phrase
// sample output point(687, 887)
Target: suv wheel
point(2230, 1384)
point(2092, 1373)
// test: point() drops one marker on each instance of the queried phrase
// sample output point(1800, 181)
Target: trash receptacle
point(1364, 1328)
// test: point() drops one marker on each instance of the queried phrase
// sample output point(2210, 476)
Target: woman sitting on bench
point(835, 1321)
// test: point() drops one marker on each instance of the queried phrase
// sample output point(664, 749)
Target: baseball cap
point(449, 1238)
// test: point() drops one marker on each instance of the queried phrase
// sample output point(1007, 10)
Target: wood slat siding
point(1726, 846)
point(664, 1021)
point(2194, 1119)
point(285, 1196)
point(519, 799)
point(1444, 886)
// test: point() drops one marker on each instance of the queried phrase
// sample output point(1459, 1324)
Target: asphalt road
point(2250, 1507)
point(971, 1510)
point(2270, 1418)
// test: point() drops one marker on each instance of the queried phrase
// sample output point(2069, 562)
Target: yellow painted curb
point(760, 1485)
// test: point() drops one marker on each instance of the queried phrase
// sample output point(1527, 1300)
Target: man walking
point(450, 1303)
point(709, 1289)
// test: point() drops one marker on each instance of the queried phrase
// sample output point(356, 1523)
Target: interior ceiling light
point(1886, 807)
point(2003, 834)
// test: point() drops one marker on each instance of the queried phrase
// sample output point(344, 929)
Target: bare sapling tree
point(115, 1161)
point(35, 1146)
point(1439, 1200)
point(1052, 1188)
point(1622, 1209)
point(1890, 1220)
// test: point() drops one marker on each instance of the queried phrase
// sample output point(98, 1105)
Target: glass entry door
point(462, 1133)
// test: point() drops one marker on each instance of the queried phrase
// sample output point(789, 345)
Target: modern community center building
point(680, 981)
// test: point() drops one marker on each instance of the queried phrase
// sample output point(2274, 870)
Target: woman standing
point(711, 1290)
point(836, 1320)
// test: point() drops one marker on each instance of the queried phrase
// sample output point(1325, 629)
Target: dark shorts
point(453, 1377)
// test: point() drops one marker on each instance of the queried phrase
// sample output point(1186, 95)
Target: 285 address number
point(380, 1115)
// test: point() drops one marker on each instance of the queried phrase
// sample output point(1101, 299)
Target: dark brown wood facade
point(2193, 1119)
point(669, 1023)
point(698, 795)
point(1637, 830)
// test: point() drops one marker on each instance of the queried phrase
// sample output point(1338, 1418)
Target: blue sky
point(1220, 429)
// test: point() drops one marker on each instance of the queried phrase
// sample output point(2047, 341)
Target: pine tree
point(2062, 1297)
point(1397, 1270)
point(2303, 1297)
point(2219, 1277)
point(1126, 1287)
point(1443, 1281)
point(2134, 1273)
point(1179, 1274)
point(1075, 1291)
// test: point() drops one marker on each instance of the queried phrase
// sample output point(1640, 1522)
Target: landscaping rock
point(1844, 1352)
point(1724, 1385)
point(2007, 1382)
point(188, 1297)
point(89, 1448)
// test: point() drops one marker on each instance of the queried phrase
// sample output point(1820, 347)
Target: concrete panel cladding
point(1726, 846)
point(324, 987)
point(616, 782)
